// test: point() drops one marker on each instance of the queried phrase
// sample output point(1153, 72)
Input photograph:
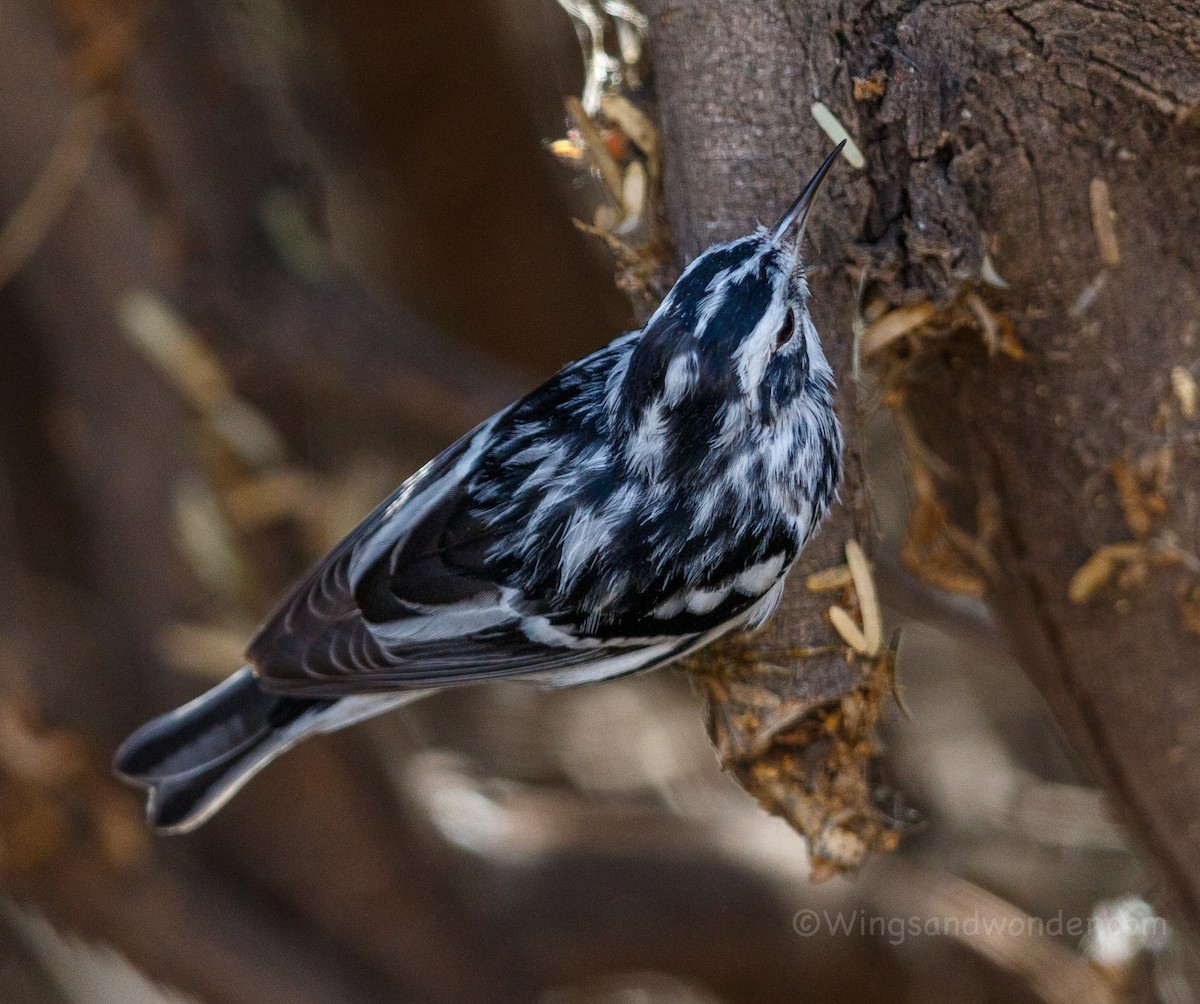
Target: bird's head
point(730, 353)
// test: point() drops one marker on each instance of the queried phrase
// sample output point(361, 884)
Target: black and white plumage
point(646, 500)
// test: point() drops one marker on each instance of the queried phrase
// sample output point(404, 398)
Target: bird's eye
point(786, 330)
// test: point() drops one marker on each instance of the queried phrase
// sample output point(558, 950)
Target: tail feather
point(180, 804)
point(215, 727)
point(193, 760)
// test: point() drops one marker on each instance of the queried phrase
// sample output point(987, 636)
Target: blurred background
point(258, 261)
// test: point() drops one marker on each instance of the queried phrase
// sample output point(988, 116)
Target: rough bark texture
point(983, 130)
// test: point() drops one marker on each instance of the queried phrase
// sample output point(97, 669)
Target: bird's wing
point(430, 624)
point(408, 601)
point(495, 561)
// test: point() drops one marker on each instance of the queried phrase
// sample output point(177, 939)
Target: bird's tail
point(194, 759)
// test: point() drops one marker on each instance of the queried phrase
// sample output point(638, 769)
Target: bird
point(646, 500)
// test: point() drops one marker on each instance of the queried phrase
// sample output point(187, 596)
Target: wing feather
point(443, 584)
point(406, 603)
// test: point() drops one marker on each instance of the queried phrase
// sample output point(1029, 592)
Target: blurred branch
point(929, 902)
point(27, 227)
point(180, 926)
point(234, 173)
point(22, 976)
point(172, 202)
point(75, 846)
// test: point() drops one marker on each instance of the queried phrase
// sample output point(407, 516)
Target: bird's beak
point(797, 214)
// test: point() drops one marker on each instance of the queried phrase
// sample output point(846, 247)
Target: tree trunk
point(991, 133)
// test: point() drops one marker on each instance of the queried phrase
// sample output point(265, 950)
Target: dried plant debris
point(629, 168)
point(895, 324)
point(205, 650)
point(153, 326)
point(868, 639)
point(988, 273)
point(757, 694)
point(997, 329)
point(613, 136)
point(938, 552)
point(245, 485)
point(1088, 295)
point(598, 24)
point(642, 273)
point(634, 125)
point(53, 795)
point(827, 579)
point(1140, 490)
point(100, 39)
point(832, 126)
point(25, 230)
point(802, 742)
point(870, 87)
point(913, 324)
point(1103, 218)
point(1183, 385)
point(1002, 934)
point(1143, 487)
point(930, 551)
point(1126, 565)
point(288, 225)
point(598, 148)
point(1189, 609)
point(796, 727)
point(206, 540)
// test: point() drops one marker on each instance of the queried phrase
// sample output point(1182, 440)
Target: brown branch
point(771, 697)
point(964, 157)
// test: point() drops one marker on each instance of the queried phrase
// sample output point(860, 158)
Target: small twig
point(25, 230)
point(617, 246)
point(895, 324)
point(868, 603)
point(610, 173)
point(1102, 223)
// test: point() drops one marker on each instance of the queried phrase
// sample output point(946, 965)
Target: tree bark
point(986, 128)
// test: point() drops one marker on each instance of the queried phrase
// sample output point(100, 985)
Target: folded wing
point(407, 601)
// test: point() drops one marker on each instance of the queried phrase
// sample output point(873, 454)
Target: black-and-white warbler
point(643, 502)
